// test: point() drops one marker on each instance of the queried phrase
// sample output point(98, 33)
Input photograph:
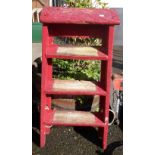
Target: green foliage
point(84, 3)
point(84, 41)
point(77, 69)
point(79, 3)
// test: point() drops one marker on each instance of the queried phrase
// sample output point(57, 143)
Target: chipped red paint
point(59, 15)
point(98, 23)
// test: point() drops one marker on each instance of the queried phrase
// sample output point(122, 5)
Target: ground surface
point(78, 140)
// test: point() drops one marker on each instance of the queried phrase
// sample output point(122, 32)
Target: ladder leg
point(42, 116)
point(106, 121)
point(101, 107)
point(42, 136)
point(50, 40)
point(106, 70)
point(103, 132)
point(48, 98)
point(105, 136)
point(48, 105)
point(45, 100)
point(47, 128)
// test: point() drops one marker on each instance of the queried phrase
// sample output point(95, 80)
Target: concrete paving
point(36, 51)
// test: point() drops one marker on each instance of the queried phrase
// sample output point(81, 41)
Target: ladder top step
point(60, 15)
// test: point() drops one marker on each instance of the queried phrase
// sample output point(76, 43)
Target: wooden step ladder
point(74, 22)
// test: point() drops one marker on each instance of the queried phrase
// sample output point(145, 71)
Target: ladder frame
point(104, 83)
point(104, 31)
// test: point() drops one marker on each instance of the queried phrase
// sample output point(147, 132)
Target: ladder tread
point(75, 52)
point(73, 87)
point(75, 118)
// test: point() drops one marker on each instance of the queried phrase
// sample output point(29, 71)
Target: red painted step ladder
point(74, 22)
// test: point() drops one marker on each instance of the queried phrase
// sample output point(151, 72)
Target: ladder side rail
point(45, 76)
point(105, 80)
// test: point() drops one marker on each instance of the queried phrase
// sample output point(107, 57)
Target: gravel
point(79, 141)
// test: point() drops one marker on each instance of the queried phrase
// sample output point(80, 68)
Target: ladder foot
point(42, 139)
point(105, 136)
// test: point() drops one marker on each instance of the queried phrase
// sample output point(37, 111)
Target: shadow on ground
point(91, 135)
point(110, 149)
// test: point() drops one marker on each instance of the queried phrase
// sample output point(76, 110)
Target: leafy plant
point(76, 69)
point(79, 3)
point(85, 3)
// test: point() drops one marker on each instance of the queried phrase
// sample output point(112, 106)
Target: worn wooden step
point(73, 87)
point(75, 52)
point(75, 118)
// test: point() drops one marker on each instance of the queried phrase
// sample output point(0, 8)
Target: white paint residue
point(101, 15)
point(106, 119)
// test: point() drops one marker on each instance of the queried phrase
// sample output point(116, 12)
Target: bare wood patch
point(73, 85)
point(73, 117)
point(83, 51)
